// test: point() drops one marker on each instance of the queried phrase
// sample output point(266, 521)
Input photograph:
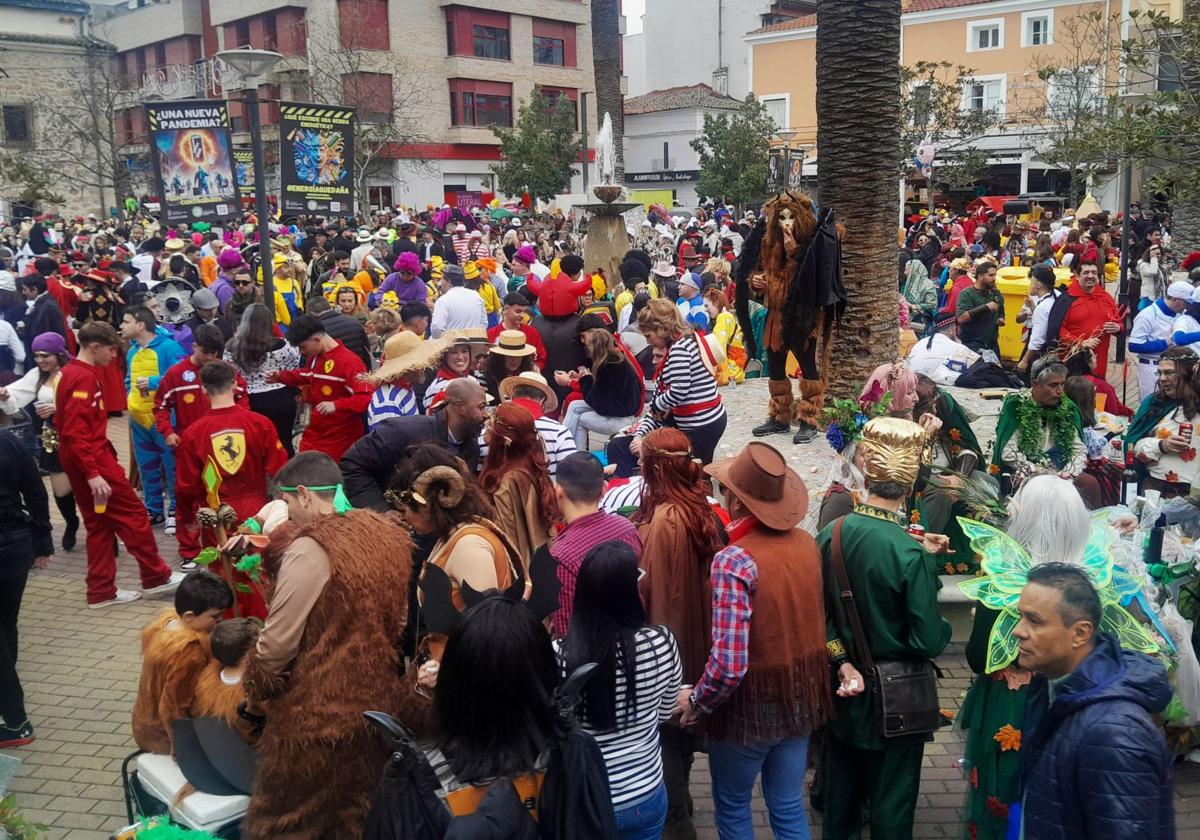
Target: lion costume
point(800, 283)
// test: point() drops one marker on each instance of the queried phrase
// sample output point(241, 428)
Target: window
point(241, 33)
point(160, 55)
point(919, 96)
point(984, 93)
point(1073, 93)
point(563, 98)
point(369, 93)
point(985, 35)
point(270, 32)
point(363, 24)
point(553, 43)
point(1037, 29)
point(777, 109)
point(479, 103)
point(490, 42)
point(1170, 74)
point(17, 128)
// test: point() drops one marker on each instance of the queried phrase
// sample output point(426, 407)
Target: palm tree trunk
point(858, 134)
point(1185, 216)
point(606, 61)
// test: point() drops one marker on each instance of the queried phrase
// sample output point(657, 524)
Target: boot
point(66, 507)
point(780, 409)
point(808, 410)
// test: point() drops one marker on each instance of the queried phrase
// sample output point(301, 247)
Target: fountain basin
point(613, 209)
point(608, 193)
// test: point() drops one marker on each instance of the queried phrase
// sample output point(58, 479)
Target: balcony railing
point(662, 164)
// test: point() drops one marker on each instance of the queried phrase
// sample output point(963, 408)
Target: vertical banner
point(774, 176)
point(243, 160)
point(316, 158)
point(193, 160)
point(795, 173)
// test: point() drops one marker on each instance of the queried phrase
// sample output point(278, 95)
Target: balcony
point(662, 164)
point(163, 21)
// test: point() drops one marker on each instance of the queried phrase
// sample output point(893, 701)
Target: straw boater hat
point(475, 336)
point(531, 379)
point(760, 477)
point(512, 343)
point(175, 245)
point(405, 352)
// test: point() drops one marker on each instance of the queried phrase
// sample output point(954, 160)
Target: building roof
point(74, 7)
point(679, 98)
point(909, 6)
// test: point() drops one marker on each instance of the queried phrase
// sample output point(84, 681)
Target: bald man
point(455, 423)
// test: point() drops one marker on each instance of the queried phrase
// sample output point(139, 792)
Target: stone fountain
point(607, 239)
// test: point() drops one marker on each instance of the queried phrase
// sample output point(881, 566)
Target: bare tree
point(381, 84)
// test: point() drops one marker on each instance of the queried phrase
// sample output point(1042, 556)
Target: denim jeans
point(643, 819)
point(734, 767)
point(580, 418)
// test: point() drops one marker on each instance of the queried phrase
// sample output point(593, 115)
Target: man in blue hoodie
point(151, 352)
point(1093, 763)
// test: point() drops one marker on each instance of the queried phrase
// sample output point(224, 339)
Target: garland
point(1063, 431)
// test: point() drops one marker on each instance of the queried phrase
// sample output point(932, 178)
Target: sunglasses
point(243, 282)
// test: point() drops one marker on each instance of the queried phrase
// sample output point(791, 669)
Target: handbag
point(904, 690)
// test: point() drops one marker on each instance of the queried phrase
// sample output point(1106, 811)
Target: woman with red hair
point(517, 477)
point(680, 534)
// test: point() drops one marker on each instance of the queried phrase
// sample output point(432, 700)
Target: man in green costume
point(1163, 463)
point(895, 587)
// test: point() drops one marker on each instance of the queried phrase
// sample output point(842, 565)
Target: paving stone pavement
point(80, 669)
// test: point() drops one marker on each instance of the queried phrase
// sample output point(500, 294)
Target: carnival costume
point(804, 297)
point(993, 713)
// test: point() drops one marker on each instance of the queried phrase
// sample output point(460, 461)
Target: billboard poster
point(193, 160)
point(316, 158)
point(774, 176)
point(468, 199)
point(243, 161)
point(795, 173)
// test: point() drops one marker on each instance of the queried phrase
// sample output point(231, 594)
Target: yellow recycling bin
point(1013, 283)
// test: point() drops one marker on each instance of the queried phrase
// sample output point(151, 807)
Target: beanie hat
point(49, 342)
point(526, 254)
point(230, 258)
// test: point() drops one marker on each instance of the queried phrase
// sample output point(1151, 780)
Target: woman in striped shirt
point(685, 393)
point(633, 690)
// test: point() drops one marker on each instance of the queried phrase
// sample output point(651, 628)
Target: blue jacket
point(151, 362)
point(1094, 764)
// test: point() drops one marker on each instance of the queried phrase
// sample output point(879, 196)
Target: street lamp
point(250, 66)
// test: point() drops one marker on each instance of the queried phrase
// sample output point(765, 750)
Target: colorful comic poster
point(316, 158)
point(193, 160)
point(243, 161)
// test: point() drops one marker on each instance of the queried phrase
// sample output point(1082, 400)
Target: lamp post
point(250, 66)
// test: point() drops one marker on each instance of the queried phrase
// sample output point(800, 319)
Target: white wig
point(1049, 520)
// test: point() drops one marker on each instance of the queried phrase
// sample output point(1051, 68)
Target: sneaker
point(806, 434)
point(16, 736)
point(123, 596)
point(169, 527)
point(157, 519)
point(188, 565)
point(170, 586)
point(771, 427)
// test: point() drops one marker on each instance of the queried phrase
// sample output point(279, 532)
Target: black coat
point(220, 322)
point(613, 389)
point(368, 465)
point(25, 531)
point(44, 317)
point(348, 331)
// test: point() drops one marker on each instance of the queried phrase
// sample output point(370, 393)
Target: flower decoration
point(995, 807)
point(1008, 739)
point(1172, 476)
point(1161, 433)
point(1007, 566)
point(1188, 454)
point(955, 435)
point(844, 419)
point(974, 777)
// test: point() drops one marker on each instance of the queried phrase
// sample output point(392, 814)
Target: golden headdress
point(892, 450)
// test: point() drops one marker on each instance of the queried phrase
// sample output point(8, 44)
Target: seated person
point(219, 686)
point(1166, 457)
point(1040, 431)
point(175, 649)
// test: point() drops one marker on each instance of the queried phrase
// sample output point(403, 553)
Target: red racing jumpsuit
point(245, 448)
point(332, 376)
point(85, 453)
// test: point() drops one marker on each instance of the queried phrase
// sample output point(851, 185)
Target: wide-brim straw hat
point(531, 379)
point(405, 352)
point(475, 336)
point(512, 343)
point(760, 476)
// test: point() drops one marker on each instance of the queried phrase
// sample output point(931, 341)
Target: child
point(175, 649)
point(219, 686)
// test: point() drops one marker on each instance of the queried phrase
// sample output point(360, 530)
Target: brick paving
point(80, 669)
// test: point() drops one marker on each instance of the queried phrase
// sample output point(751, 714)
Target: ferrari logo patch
point(329, 365)
point(229, 449)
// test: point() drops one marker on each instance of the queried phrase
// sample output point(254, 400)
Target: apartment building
point(1003, 42)
point(429, 78)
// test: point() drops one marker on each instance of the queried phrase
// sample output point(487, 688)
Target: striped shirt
point(685, 388)
point(390, 401)
point(632, 754)
point(557, 443)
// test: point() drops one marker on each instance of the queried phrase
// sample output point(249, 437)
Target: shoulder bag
point(904, 690)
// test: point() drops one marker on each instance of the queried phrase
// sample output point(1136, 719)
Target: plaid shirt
point(573, 543)
point(734, 581)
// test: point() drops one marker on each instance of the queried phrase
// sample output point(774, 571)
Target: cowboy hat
point(760, 476)
point(663, 269)
point(405, 352)
point(531, 379)
point(512, 343)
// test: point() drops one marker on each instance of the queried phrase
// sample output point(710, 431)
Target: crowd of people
point(453, 476)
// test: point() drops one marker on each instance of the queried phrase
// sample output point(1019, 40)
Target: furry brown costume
point(319, 761)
